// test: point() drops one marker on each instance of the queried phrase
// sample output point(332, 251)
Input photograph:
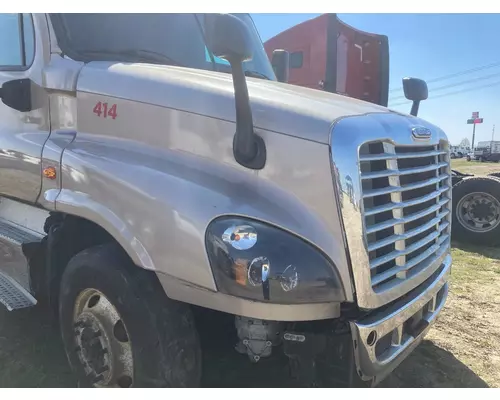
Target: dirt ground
point(463, 347)
point(461, 350)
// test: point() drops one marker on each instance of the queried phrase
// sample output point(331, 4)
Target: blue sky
point(430, 46)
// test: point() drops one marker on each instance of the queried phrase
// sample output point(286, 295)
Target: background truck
point(328, 54)
point(149, 181)
point(487, 151)
point(459, 151)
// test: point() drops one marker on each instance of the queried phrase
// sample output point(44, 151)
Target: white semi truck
point(152, 164)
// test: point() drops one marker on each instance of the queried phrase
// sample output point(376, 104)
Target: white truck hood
point(287, 109)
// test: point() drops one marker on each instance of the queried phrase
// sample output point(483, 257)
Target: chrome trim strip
point(392, 320)
point(347, 136)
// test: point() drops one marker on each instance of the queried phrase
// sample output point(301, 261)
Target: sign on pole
point(475, 114)
point(475, 121)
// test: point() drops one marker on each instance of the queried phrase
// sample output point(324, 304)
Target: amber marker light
point(49, 172)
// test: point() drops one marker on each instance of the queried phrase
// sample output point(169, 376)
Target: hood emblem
point(421, 133)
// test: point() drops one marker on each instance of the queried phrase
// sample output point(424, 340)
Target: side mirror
point(416, 91)
point(281, 64)
point(228, 37)
point(20, 94)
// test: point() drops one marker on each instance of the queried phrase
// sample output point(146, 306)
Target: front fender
point(154, 178)
point(158, 203)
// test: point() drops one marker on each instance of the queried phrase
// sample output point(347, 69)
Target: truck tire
point(476, 211)
point(119, 328)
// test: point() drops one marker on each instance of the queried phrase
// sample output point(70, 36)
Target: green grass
point(474, 167)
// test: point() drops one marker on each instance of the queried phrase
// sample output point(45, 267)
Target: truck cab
point(328, 54)
point(152, 165)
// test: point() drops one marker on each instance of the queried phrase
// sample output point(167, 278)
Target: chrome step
point(13, 295)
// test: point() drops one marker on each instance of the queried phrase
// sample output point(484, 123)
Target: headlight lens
point(257, 261)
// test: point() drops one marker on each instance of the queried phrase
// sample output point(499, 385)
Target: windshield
point(175, 39)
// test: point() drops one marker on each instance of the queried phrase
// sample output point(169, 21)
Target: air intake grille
point(406, 209)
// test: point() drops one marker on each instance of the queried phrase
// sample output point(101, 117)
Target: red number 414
point(105, 111)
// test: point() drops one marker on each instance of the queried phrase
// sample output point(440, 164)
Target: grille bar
point(409, 203)
point(435, 251)
point(415, 246)
point(412, 217)
point(404, 188)
point(390, 156)
point(404, 171)
point(409, 234)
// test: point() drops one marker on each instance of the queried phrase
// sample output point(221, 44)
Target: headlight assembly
point(257, 261)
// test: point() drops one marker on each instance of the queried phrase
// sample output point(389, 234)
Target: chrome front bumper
point(385, 338)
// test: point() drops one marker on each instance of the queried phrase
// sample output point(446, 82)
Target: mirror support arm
point(414, 108)
point(248, 148)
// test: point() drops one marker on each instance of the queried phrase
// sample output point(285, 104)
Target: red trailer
point(328, 54)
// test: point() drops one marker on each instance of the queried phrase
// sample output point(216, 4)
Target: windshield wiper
point(139, 54)
point(255, 74)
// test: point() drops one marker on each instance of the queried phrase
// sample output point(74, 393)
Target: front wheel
point(119, 328)
point(476, 211)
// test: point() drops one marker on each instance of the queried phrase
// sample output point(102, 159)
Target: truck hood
point(278, 107)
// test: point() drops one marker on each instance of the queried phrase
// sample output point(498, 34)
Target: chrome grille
point(406, 209)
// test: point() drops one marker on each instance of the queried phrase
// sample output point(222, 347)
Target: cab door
point(24, 49)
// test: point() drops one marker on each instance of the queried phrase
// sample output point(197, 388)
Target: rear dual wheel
point(476, 211)
point(119, 328)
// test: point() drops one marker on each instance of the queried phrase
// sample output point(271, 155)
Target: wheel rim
point(479, 212)
point(102, 341)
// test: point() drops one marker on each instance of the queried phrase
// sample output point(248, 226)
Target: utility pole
point(493, 133)
point(473, 135)
point(473, 121)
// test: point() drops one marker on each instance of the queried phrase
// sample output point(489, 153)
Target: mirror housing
point(415, 90)
point(21, 95)
point(229, 38)
point(281, 65)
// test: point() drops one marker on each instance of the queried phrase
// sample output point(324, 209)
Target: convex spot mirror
point(281, 64)
point(22, 95)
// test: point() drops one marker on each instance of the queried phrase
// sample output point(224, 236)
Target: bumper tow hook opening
point(372, 338)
